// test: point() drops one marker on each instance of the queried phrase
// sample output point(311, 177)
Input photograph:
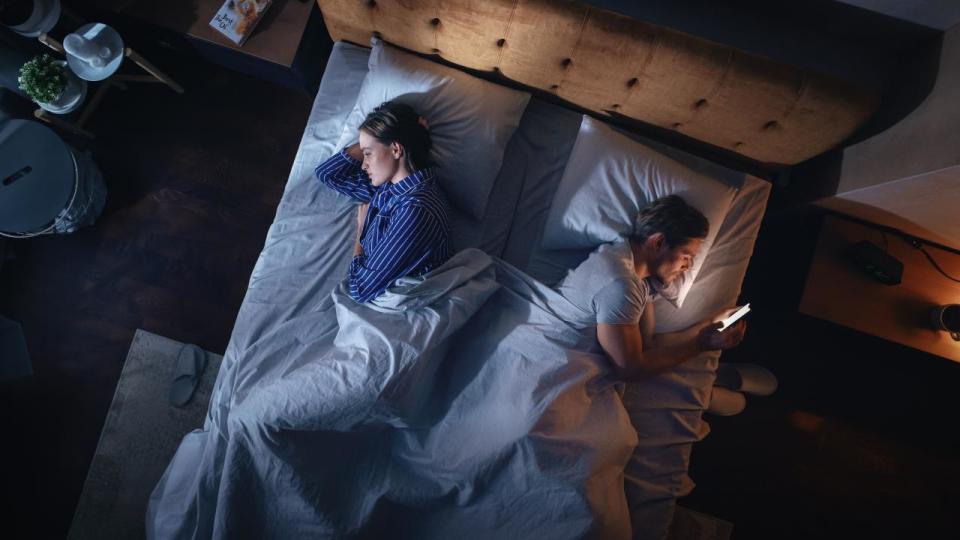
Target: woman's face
point(381, 162)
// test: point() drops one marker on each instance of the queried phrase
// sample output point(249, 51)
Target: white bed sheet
point(666, 411)
point(308, 249)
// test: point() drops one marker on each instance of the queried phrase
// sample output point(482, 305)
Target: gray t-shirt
point(607, 286)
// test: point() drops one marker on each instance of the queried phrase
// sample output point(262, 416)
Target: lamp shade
point(37, 176)
point(31, 18)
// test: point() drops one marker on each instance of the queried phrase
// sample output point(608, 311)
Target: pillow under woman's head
point(610, 178)
point(470, 120)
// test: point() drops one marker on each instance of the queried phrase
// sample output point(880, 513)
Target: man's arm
point(637, 353)
point(342, 172)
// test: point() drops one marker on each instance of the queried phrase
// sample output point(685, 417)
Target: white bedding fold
point(463, 405)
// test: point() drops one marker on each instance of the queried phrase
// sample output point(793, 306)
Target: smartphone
point(737, 315)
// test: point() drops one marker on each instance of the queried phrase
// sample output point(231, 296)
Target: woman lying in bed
point(618, 280)
point(403, 225)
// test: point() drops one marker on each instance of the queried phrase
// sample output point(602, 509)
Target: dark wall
point(852, 43)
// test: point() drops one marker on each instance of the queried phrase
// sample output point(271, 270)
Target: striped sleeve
point(343, 174)
point(407, 245)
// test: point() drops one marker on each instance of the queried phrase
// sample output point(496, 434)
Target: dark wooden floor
point(194, 182)
point(860, 440)
point(861, 436)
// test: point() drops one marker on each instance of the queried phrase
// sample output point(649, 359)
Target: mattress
point(309, 246)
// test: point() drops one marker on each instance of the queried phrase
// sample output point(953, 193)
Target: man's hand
point(354, 151)
point(361, 218)
point(710, 338)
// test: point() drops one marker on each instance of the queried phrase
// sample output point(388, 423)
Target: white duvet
point(466, 405)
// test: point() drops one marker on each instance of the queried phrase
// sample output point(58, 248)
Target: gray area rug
point(140, 435)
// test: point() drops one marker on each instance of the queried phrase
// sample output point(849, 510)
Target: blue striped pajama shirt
point(406, 231)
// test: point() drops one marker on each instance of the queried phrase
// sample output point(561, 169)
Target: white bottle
point(86, 48)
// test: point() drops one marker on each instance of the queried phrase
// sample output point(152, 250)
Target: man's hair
point(394, 122)
point(678, 221)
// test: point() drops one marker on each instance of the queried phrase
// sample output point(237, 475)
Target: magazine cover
point(237, 18)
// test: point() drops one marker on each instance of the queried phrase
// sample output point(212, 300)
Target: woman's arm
point(342, 172)
point(407, 244)
point(361, 221)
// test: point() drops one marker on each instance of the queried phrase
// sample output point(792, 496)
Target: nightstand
point(285, 47)
point(837, 291)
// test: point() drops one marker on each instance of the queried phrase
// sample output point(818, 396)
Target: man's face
point(379, 160)
point(669, 263)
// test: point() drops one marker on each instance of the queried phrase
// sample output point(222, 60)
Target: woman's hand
point(361, 218)
point(354, 151)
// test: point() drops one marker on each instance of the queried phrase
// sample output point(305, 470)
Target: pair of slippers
point(191, 362)
point(735, 380)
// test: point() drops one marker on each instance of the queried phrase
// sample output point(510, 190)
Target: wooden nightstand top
point(839, 292)
point(275, 39)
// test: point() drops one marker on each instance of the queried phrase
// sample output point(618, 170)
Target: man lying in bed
point(618, 281)
point(403, 224)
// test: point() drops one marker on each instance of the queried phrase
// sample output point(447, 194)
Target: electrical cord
point(918, 245)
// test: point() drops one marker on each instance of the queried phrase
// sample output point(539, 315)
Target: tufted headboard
point(617, 66)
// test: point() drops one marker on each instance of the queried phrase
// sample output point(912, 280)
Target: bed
point(291, 305)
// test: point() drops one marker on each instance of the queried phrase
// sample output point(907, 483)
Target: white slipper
point(725, 402)
point(749, 378)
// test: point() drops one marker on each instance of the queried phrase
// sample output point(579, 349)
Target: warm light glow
point(806, 422)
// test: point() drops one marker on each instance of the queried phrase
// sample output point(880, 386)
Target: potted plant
point(51, 84)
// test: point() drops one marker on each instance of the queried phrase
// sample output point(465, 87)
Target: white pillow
point(609, 178)
point(471, 120)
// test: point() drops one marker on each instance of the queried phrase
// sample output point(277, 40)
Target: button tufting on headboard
point(715, 93)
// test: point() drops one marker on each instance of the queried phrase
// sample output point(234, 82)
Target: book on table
point(237, 18)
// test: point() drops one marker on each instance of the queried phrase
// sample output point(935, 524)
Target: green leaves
point(43, 79)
